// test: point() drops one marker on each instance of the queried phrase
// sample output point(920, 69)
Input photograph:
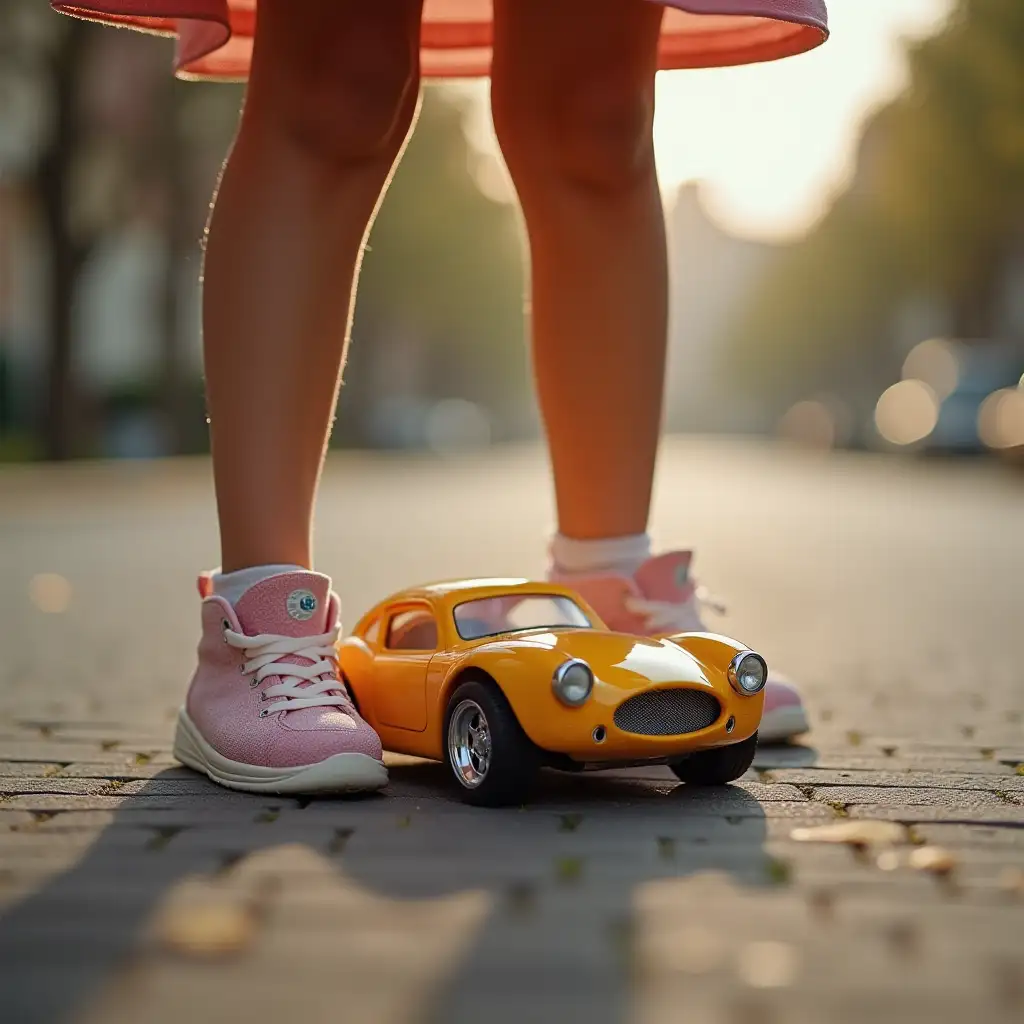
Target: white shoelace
point(300, 686)
point(673, 616)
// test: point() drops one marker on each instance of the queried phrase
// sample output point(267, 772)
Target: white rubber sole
point(782, 724)
point(341, 773)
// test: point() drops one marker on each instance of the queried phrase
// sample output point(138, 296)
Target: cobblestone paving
point(133, 890)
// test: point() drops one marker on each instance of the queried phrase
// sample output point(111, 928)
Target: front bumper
point(590, 735)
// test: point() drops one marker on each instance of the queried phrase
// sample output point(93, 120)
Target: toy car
point(498, 678)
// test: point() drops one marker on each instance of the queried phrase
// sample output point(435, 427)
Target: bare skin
point(331, 100)
point(573, 100)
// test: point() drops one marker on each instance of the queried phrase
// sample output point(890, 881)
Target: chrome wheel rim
point(469, 743)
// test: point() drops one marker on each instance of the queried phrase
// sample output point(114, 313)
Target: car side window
point(372, 632)
point(412, 630)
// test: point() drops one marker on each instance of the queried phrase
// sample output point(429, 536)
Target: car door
point(408, 641)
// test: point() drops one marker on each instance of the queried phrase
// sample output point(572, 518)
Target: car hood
point(617, 659)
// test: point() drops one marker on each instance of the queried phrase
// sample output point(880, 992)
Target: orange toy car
point(500, 677)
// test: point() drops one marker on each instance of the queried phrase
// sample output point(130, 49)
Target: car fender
point(521, 671)
point(355, 659)
point(712, 652)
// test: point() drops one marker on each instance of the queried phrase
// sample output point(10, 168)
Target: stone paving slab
point(988, 814)
point(821, 779)
point(608, 898)
point(908, 796)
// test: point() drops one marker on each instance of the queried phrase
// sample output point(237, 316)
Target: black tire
point(512, 762)
point(718, 766)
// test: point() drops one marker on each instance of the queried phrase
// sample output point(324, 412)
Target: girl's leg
point(332, 95)
point(573, 98)
point(573, 102)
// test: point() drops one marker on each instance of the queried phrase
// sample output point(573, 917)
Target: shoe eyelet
point(254, 682)
point(264, 712)
point(225, 627)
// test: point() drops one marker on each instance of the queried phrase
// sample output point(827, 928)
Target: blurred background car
point(949, 400)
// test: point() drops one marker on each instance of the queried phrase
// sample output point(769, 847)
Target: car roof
point(456, 591)
point(449, 593)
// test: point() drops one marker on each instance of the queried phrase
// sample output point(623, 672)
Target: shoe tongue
point(291, 604)
point(666, 577)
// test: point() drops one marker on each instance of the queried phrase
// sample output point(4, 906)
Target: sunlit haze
point(773, 142)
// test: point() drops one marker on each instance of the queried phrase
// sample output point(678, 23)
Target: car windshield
point(513, 613)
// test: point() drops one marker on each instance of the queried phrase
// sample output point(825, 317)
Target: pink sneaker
point(662, 598)
point(265, 711)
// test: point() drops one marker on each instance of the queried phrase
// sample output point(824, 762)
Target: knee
point(595, 135)
point(342, 102)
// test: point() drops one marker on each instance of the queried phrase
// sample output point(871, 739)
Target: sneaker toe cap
point(314, 734)
point(780, 693)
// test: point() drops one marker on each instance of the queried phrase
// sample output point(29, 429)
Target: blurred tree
point(936, 207)
point(47, 58)
point(119, 142)
point(952, 181)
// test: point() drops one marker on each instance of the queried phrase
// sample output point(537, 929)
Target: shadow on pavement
point(560, 875)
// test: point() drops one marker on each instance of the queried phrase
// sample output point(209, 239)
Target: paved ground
point(131, 889)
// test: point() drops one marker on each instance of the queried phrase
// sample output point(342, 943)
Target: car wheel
point(486, 750)
point(718, 766)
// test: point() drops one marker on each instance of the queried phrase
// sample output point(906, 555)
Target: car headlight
point(573, 682)
point(748, 672)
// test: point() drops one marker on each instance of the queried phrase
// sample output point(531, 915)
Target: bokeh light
point(1001, 419)
point(907, 412)
point(937, 363)
point(810, 424)
point(49, 592)
point(456, 425)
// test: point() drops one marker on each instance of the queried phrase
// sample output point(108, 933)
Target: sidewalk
point(133, 890)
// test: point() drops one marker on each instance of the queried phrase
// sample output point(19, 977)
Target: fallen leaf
point(768, 964)
point(854, 833)
point(1011, 880)
point(933, 859)
point(49, 592)
point(888, 860)
point(206, 932)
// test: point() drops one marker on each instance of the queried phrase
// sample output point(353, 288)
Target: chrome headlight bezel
point(558, 682)
point(736, 668)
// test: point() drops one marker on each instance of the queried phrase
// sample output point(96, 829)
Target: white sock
point(617, 556)
point(232, 585)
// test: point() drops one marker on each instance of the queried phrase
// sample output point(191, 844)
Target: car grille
point(667, 712)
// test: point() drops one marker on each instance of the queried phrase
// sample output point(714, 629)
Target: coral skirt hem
point(214, 37)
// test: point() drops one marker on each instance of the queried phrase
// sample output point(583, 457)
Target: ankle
point(620, 556)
